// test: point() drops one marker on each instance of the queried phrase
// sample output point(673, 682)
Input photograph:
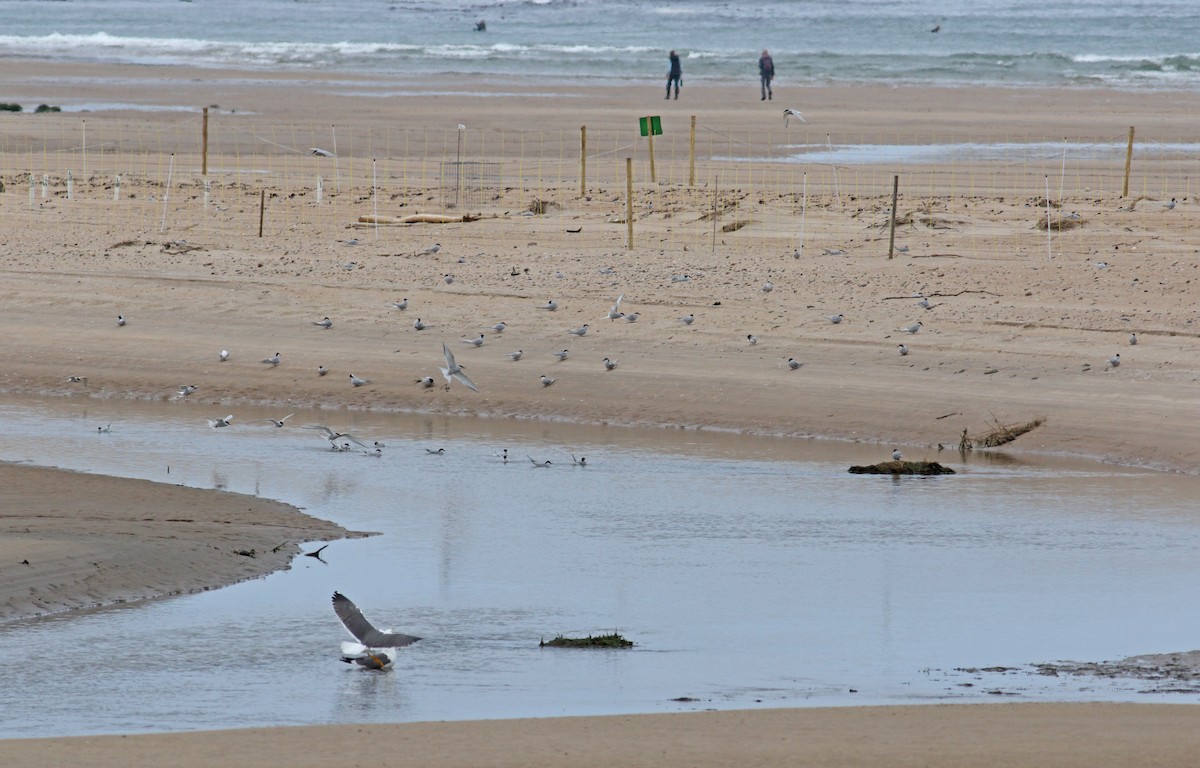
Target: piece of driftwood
point(902, 468)
point(999, 434)
point(416, 218)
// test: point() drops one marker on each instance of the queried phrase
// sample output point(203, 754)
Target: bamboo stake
point(650, 149)
point(803, 214)
point(583, 161)
point(204, 144)
point(262, 207)
point(1049, 249)
point(1128, 162)
point(892, 233)
point(629, 200)
point(167, 192)
point(692, 154)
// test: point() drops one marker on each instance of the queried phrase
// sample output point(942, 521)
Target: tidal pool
point(749, 572)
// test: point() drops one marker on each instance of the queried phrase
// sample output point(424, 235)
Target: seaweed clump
point(613, 640)
point(902, 468)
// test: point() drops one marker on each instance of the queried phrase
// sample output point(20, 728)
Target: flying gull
point(374, 649)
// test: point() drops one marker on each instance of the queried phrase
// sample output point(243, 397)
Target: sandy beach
point(1019, 329)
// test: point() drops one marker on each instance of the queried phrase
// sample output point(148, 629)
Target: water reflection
point(750, 572)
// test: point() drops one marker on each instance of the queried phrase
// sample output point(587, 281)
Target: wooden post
point(204, 144)
point(692, 155)
point(629, 199)
point(892, 234)
point(582, 160)
point(650, 149)
point(1128, 161)
point(262, 207)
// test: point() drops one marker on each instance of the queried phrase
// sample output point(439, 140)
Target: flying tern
point(790, 113)
point(276, 422)
point(454, 371)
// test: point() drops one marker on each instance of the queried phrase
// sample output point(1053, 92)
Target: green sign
point(651, 125)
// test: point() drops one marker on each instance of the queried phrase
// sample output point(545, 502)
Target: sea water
point(1113, 43)
point(748, 572)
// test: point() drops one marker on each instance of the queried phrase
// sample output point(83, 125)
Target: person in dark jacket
point(675, 75)
point(766, 72)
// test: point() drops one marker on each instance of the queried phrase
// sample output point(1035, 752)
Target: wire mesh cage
point(469, 184)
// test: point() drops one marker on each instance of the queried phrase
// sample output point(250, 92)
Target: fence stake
point(583, 161)
point(167, 192)
point(1049, 246)
point(1128, 160)
point(650, 149)
point(204, 144)
point(629, 200)
point(262, 206)
point(692, 154)
point(892, 234)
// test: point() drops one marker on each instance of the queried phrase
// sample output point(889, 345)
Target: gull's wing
point(362, 630)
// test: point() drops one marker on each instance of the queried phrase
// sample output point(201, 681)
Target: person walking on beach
point(675, 75)
point(766, 71)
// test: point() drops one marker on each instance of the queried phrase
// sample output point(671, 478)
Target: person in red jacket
point(766, 71)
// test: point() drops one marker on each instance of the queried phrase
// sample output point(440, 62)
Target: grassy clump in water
point(599, 641)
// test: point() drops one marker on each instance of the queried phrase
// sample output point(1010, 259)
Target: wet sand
point(935, 736)
point(1013, 335)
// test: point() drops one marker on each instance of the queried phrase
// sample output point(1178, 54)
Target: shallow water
point(749, 572)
